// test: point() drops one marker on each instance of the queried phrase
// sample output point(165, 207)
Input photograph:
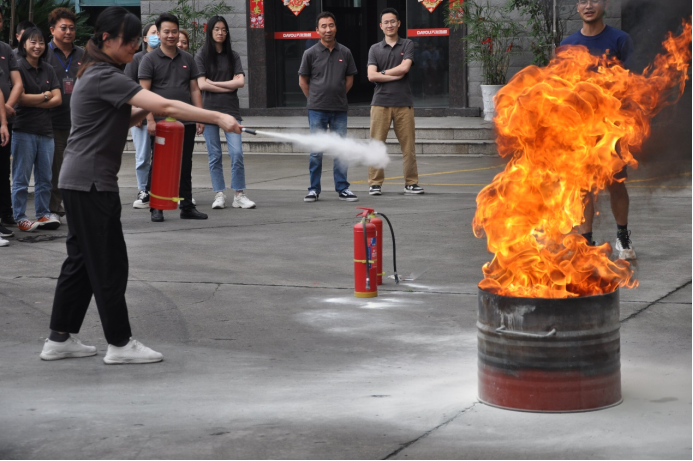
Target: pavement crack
point(210, 297)
point(638, 312)
point(426, 434)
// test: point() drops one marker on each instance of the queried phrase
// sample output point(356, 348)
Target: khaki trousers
point(403, 120)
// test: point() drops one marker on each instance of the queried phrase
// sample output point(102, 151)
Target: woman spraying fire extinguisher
point(105, 104)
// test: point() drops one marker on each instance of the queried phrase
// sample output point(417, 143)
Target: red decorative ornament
point(296, 6)
point(430, 5)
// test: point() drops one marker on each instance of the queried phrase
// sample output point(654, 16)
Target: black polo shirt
point(327, 71)
point(35, 120)
point(226, 103)
point(8, 63)
point(100, 123)
point(170, 76)
point(384, 56)
point(65, 67)
point(132, 68)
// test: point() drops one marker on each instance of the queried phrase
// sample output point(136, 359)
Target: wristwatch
point(45, 97)
point(382, 72)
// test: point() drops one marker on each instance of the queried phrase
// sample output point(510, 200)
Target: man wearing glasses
point(389, 62)
point(66, 59)
point(173, 74)
point(602, 39)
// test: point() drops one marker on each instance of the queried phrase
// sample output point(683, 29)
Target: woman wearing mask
point(140, 137)
point(223, 76)
point(105, 103)
point(32, 133)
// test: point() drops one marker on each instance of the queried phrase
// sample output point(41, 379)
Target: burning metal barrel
point(549, 355)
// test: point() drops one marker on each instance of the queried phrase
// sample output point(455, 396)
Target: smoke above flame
point(567, 129)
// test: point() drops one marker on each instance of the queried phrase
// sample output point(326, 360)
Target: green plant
point(491, 37)
point(41, 9)
point(193, 19)
point(540, 19)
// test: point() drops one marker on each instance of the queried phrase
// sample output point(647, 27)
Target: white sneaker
point(3, 242)
point(242, 201)
point(71, 348)
point(219, 201)
point(132, 352)
point(624, 246)
point(142, 200)
point(55, 217)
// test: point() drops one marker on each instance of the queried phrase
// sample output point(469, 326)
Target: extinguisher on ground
point(368, 253)
point(168, 155)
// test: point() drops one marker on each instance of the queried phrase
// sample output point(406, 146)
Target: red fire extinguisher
point(365, 257)
point(168, 155)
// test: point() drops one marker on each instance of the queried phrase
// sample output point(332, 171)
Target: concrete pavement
point(269, 355)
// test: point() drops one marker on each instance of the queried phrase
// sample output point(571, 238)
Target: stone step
point(259, 144)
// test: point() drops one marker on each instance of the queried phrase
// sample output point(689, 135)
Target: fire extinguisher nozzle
point(248, 130)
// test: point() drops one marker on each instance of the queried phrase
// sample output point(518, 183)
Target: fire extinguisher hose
point(394, 248)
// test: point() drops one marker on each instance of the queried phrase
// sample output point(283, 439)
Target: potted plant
point(491, 40)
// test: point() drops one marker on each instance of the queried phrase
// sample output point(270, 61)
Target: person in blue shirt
point(602, 39)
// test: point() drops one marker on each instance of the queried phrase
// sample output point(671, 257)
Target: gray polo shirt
point(132, 68)
point(8, 63)
point(100, 123)
point(65, 67)
point(170, 76)
point(226, 103)
point(384, 56)
point(327, 71)
point(35, 120)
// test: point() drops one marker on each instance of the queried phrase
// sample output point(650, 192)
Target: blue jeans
point(319, 121)
point(216, 167)
point(31, 151)
point(143, 155)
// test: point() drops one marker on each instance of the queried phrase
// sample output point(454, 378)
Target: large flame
point(561, 125)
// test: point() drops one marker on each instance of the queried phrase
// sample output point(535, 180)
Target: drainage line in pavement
point(410, 443)
point(634, 314)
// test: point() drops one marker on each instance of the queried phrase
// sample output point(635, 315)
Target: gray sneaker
point(132, 352)
point(71, 348)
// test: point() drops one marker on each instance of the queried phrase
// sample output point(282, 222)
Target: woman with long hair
point(32, 133)
point(105, 103)
point(223, 76)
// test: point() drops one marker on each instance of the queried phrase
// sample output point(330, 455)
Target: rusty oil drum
point(549, 355)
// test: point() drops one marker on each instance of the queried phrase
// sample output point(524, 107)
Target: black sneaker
point(142, 200)
point(375, 190)
point(347, 195)
point(5, 232)
point(311, 197)
point(8, 221)
point(624, 246)
point(413, 189)
point(191, 213)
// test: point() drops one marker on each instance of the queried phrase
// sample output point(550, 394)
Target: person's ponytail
point(114, 21)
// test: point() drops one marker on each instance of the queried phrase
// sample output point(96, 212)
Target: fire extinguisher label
point(160, 140)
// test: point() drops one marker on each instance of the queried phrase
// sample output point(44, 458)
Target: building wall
point(238, 29)
point(523, 59)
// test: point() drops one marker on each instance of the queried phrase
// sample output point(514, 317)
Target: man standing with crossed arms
point(389, 62)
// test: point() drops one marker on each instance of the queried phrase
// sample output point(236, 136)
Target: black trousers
point(5, 175)
point(96, 264)
point(185, 186)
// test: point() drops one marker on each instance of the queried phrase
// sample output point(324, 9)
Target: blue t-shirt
point(611, 41)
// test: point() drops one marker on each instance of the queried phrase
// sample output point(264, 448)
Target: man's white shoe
point(219, 201)
point(3, 242)
point(71, 348)
point(624, 246)
point(55, 217)
point(242, 201)
point(132, 352)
